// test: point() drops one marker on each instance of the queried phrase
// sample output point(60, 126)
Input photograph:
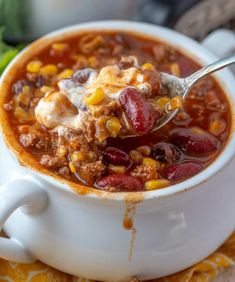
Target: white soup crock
point(82, 233)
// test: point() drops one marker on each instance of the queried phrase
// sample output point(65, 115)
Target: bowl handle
point(26, 193)
point(214, 39)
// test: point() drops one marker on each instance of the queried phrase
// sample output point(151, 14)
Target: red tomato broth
point(199, 109)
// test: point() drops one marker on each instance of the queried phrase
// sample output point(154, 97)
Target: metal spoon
point(180, 86)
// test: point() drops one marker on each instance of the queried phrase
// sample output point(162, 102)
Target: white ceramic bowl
point(83, 234)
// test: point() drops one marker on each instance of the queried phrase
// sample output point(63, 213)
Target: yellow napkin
point(203, 271)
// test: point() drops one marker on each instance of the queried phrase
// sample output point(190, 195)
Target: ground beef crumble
point(71, 138)
point(146, 172)
point(53, 161)
point(91, 171)
point(35, 139)
point(88, 167)
point(105, 109)
point(64, 171)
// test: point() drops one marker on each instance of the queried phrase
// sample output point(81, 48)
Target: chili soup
point(73, 104)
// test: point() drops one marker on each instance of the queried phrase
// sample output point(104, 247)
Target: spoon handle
point(220, 64)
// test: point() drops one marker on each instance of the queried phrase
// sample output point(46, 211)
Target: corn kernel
point(144, 150)
point(42, 91)
point(96, 97)
point(61, 151)
point(151, 162)
point(113, 126)
point(72, 167)
point(26, 89)
point(197, 130)
point(23, 99)
point(116, 169)
point(162, 102)
point(49, 70)
point(78, 156)
point(175, 103)
point(65, 74)
point(59, 47)
point(217, 127)
point(175, 69)
point(148, 66)
point(156, 184)
point(136, 156)
point(22, 115)
point(92, 62)
point(34, 66)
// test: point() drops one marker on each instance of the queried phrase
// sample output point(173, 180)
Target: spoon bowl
point(175, 87)
point(181, 86)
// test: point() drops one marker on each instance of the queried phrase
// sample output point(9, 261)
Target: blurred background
point(25, 20)
point(22, 21)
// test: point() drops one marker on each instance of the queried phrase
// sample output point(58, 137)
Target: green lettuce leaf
point(7, 52)
point(6, 57)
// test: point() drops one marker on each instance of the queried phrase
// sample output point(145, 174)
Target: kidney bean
point(39, 81)
point(18, 86)
point(115, 156)
point(120, 182)
point(141, 114)
point(81, 76)
point(166, 152)
point(179, 171)
point(194, 141)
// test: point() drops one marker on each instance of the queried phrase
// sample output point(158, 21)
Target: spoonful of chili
point(177, 89)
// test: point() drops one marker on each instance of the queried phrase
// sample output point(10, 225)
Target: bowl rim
point(174, 38)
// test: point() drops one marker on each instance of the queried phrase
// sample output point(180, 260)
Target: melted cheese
point(54, 109)
point(113, 80)
point(66, 108)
